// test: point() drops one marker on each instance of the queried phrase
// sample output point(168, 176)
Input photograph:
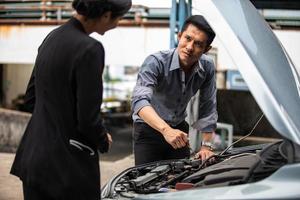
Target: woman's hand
point(110, 141)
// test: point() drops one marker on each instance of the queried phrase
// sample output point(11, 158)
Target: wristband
point(207, 144)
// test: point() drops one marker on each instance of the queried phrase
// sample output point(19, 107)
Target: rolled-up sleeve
point(146, 81)
point(208, 116)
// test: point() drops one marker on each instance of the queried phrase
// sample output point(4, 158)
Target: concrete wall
point(19, 44)
point(123, 45)
point(12, 127)
point(290, 40)
point(15, 80)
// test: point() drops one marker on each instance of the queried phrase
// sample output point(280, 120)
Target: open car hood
point(261, 59)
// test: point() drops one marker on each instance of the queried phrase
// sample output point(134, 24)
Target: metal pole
point(180, 10)
point(182, 13)
point(173, 24)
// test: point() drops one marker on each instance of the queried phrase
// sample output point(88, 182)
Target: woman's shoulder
point(86, 42)
point(94, 45)
point(90, 46)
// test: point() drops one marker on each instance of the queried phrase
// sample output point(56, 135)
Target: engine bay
point(239, 166)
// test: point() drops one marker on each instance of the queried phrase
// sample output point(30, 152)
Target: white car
point(267, 171)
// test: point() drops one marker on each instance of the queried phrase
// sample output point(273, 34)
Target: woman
point(57, 157)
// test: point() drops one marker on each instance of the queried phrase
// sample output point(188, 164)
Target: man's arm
point(207, 112)
point(205, 151)
point(141, 106)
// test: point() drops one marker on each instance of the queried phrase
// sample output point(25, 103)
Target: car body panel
point(283, 184)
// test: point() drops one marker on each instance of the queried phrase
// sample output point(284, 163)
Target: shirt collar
point(200, 66)
point(175, 63)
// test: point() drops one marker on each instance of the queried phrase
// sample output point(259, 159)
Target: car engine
point(237, 166)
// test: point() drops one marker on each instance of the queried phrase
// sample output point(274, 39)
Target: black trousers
point(150, 145)
point(34, 193)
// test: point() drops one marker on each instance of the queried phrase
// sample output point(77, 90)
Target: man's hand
point(109, 140)
point(204, 153)
point(176, 138)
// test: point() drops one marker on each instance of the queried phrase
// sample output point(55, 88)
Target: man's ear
point(179, 36)
point(207, 49)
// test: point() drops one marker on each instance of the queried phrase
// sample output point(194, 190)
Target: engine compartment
point(239, 166)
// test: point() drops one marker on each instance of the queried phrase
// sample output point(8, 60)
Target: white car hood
point(264, 64)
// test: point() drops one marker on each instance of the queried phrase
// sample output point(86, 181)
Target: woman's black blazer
point(58, 151)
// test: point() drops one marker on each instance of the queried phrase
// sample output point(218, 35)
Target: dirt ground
point(11, 188)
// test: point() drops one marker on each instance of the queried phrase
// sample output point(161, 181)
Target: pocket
point(84, 157)
point(81, 147)
point(85, 166)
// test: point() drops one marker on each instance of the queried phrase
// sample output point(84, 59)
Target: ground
point(11, 187)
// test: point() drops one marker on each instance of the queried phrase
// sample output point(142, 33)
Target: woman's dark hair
point(96, 8)
point(200, 22)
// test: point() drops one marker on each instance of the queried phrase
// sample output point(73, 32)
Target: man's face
point(191, 45)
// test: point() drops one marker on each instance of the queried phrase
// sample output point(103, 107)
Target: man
point(166, 82)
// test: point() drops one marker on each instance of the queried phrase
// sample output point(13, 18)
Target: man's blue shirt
point(162, 84)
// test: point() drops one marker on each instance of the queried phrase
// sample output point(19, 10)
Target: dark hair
point(96, 8)
point(200, 22)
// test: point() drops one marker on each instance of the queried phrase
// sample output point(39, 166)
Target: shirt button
point(178, 100)
point(183, 93)
point(175, 112)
